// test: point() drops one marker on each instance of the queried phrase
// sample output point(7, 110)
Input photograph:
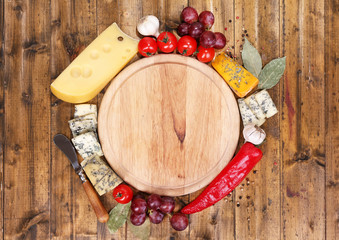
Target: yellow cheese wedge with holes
point(92, 70)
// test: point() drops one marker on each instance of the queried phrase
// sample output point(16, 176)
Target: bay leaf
point(272, 73)
point(118, 216)
point(251, 58)
point(142, 232)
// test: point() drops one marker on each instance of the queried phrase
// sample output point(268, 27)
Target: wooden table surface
point(293, 192)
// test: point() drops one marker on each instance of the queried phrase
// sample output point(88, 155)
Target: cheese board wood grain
point(168, 124)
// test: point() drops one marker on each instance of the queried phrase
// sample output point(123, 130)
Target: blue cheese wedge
point(79, 126)
point(266, 103)
point(87, 145)
point(247, 115)
point(256, 109)
point(100, 174)
point(107, 183)
point(95, 168)
point(91, 116)
point(84, 109)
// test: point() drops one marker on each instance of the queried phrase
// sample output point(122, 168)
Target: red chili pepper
point(228, 179)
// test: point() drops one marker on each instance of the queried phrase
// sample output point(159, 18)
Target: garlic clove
point(148, 26)
point(254, 134)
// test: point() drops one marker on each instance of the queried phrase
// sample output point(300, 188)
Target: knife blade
point(66, 146)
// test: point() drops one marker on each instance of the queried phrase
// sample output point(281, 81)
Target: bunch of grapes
point(197, 26)
point(156, 208)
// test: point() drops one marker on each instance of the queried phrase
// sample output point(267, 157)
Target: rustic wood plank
point(62, 174)
point(2, 114)
point(302, 122)
point(26, 83)
point(258, 201)
point(83, 26)
point(332, 119)
point(128, 13)
point(105, 17)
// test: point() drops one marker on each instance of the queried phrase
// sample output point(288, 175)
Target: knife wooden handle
point(96, 203)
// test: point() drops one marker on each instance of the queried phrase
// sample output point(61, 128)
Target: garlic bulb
point(148, 26)
point(254, 134)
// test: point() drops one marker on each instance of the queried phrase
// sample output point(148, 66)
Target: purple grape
point(207, 19)
point(179, 221)
point(139, 206)
point(137, 219)
point(156, 217)
point(207, 39)
point(183, 29)
point(196, 29)
point(138, 195)
point(220, 41)
point(154, 201)
point(167, 205)
point(189, 15)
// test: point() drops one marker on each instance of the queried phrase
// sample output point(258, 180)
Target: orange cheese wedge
point(238, 78)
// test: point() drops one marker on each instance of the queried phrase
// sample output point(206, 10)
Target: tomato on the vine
point(167, 42)
point(147, 46)
point(123, 194)
point(205, 54)
point(187, 45)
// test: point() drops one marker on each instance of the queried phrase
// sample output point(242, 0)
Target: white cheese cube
point(87, 145)
point(79, 126)
point(266, 103)
point(255, 108)
point(247, 115)
point(84, 109)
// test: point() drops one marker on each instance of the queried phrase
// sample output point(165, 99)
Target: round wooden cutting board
point(168, 124)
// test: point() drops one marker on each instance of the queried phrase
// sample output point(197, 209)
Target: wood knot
point(302, 156)
point(18, 11)
point(26, 98)
point(55, 103)
point(32, 47)
point(17, 149)
point(214, 218)
point(56, 23)
point(31, 222)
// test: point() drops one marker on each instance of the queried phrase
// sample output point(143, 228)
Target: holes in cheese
point(90, 72)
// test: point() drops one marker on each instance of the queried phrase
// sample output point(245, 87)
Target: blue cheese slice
point(100, 174)
point(107, 183)
point(92, 116)
point(266, 103)
point(95, 168)
point(87, 145)
point(247, 115)
point(79, 126)
point(84, 109)
point(256, 109)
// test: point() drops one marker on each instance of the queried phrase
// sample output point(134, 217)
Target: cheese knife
point(65, 145)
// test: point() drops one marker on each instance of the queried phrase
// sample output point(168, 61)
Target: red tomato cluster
point(166, 43)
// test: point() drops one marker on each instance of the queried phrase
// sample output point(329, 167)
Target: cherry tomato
point(187, 45)
point(123, 194)
point(147, 46)
point(167, 42)
point(205, 54)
